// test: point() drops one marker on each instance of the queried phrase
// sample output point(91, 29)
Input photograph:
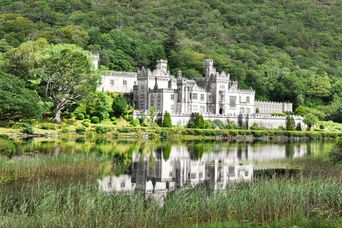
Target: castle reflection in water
point(165, 169)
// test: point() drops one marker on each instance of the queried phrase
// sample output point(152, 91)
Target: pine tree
point(167, 122)
point(290, 123)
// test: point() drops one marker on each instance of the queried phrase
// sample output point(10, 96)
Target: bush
point(167, 122)
point(86, 123)
point(7, 146)
point(80, 130)
point(255, 126)
point(65, 130)
point(28, 129)
point(119, 105)
point(279, 114)
point(299, 127)
point(95, 120)
point(48, 126)
point(101, 130)
point(197, 122)
point(79, 116)
point(135, 122)
point(67, 115)
point(164, 134)
point(290, 123)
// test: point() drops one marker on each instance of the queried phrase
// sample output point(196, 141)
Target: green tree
point(119, 105)
point(16, 101)
point(290, 123)
point(65, 74)
point(310, 120)
point(99, 103)
point(167, 122)
point(199, 121)
point(153, 112)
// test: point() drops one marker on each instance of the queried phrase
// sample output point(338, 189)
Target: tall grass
point(260, 202)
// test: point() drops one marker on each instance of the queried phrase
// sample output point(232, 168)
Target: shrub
point(85, 124)
point(95, 120)
point(28, 129)
point(310, 120)
point(198, 122)
point(279, 114)
point(113, 119)
point(219, 124)
point(290, 123)
point(119, 105)
point(7, 146)
point(65, 130)
point(232, 125)
point(135, 122)
point(164, 134)
point(101, 130)
point(123, 130)
point(67, 115)
point(255, 126)
point(48, 126)
point(80, 130)
point(299, 127)
point(79, 116)
point(167, 122)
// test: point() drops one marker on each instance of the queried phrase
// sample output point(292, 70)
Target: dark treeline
point(286, 50)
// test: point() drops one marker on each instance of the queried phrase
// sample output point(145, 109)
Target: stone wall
point(269, 107)
point(263, 120)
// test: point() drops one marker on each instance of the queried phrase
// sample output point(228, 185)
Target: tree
point(99, 103)
point(167, 122)
point(310, 120)
point(119, 105)
point(16, 101)
point(65, 73)
point(153, 112)
point(199, 121)
point(290, 123)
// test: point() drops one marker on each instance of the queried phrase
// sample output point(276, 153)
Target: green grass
point(278, 201)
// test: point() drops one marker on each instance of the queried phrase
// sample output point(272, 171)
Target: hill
point(286, 49)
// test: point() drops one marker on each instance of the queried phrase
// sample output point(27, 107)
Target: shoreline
point(140, 133)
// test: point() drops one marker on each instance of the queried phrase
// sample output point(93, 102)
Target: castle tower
point(209, 67)
point(161, 67)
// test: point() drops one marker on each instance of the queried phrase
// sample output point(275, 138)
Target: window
point(112, 82)
point(172, 96)
point(202, 97)
point(123, 184)
point(231, 171)
point(200, 175)
point(209, 97)
point(172, 108)
point(232, 101)
point(242, 110)
point(194, 108)
point(124, 83)
point(248, 111)
point(194, 96)
point(202, 109)
point(193, 175)
point(222, 87)
point(247, 99)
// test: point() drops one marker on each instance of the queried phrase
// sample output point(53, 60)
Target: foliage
point(16, 101)
point(99, 104)
point(336, 154)
point(197, 122)
point(7, 146)
point(101, 130)
point(310, 120)
point(135, 122)
point(79, 116)
point(153, 112)
point(28, 129)
point(95, 119)
point(80, 130)
point(167, 122)
point(290, 123)
point(291, 52)
point(119, 105)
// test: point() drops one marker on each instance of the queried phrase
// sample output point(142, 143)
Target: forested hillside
point(287, 50)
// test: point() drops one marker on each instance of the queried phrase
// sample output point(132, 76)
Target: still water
point(159, 168)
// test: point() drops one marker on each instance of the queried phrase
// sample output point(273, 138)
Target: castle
point(214, 96)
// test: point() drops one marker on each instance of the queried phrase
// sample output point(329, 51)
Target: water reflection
point(163, 169)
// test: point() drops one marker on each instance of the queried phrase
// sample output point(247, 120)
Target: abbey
point(215, 94)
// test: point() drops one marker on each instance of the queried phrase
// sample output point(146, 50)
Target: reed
point(262, 202)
